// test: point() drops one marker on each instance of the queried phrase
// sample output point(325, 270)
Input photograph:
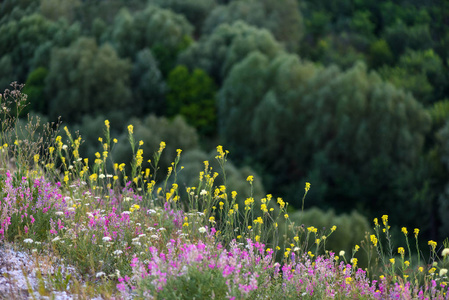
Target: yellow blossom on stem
point(307, 187)
point(130, 129)
point(385, 219)
point(404, 230)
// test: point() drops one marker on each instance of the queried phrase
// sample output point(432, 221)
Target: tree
point(193, 96)
point(87, 79)
point(196, 11)
point(281, 17)
point(163, 31)
point(218, 52)
point(34, 88)
point(349, 133)
point(148, 86)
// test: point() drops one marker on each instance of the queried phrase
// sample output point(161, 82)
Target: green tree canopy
point(163, 31)
point(350, 129)
point(87, 79)
point(281, 17)
point(193, 96)
point(218, 52)
point(148, 86)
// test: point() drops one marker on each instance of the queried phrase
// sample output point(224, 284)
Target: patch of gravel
point(19, 279)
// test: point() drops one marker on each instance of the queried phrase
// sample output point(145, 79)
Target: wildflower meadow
point(132, 232)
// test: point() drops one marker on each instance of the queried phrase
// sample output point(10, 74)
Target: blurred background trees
point(350, 96)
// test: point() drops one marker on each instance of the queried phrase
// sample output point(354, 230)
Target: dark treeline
point(350, 95)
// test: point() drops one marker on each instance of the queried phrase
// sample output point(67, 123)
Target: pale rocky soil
point(18, 277)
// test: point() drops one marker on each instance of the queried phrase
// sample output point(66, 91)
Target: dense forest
point(351, 96)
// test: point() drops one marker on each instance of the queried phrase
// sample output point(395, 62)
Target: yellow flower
point(307, 188)
point(432, 270)
point(385, 219)
point(257, 238)
point(258, 220)
point(178, 151)
point(130, 129)
point(106, 123)
point(373, 239)
point(140, 143)
point(406, 263)
point(401, 251)
point(312, 229)
point(333, 228)
point(404, 230)
point(161, 147)
point(348, 280)
point(310, 254)
point(250, 178)
point(212, 219)
point(286, 216)
point(432, 244)
point(356, 248)
point(36, 158)
point(221, 204)
point(376, 222)
point(354, 261)
point(296, 238)
point(115, 141)
point(420, 269)
point(392, 260)
point(416, 232)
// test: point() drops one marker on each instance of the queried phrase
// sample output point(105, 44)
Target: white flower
point(342, 253)
point(128, 199)
point(27, 241)
point(118, 252)
point(203, 193)
point(109, 176)
point(443, 272)
point(56, 239)
point(296, 249)
point(136, 239)
point(151, 211)
point(445, 252)
point(101, 176)
point(136, 243)
point(161, 229)
point(142, 235)
point(126, 212)
point(202, 230)
point(154, 237)
point(59, 213)
point(34, 250)
point(37, 243)
point(64, 147)
point(150, 228)
point(107, 239)
point(100, 274)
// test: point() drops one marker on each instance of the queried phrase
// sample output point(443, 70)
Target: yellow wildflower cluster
point(373, 239)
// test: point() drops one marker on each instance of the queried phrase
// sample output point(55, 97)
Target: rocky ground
point(19, 276)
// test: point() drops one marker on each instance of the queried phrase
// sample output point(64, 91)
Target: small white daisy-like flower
point(203, 193)
point(202, 229)
point(445, 252)
point(118, 252)
point(342, 253)
point(443, 272)
point(56, 239)
point(100, 274)
point(107, 239)
point(27, 241)
point(101, 176)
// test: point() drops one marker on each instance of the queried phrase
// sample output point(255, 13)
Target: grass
point(130, 233)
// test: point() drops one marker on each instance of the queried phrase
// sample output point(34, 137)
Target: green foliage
point(351, 228)
point(380, 54)
point(195, 284)
point(55, 9)
point(152, 130)
point(34, 88)
point(420, 72)
point(148, 86)
point(163, 31)
point(281, 17)
point(103, 76)
point(349, 125)
point(400, 37)
point(193, 96)
point(218, 52)
point(196, 11)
